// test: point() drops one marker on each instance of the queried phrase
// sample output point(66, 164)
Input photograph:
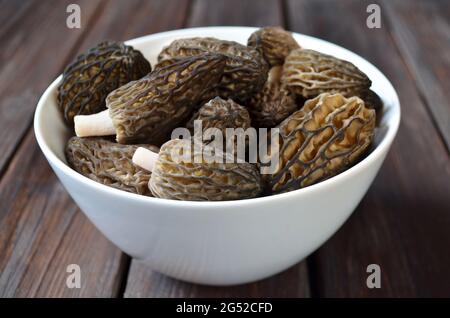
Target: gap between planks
point(65, 61)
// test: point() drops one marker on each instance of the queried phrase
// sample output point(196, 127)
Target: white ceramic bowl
point(221, 243)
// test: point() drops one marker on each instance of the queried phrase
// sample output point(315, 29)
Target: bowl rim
point(383, 146)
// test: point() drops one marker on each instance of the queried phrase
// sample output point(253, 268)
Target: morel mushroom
point(373, 101)
point(326, 136)
point(94, 74)
point(147, 110)
point(274, 44)
point(108, 163)
point(180, 172)
point(309, 73)
point(221, 114)
point(245, 71)
point(273, 103)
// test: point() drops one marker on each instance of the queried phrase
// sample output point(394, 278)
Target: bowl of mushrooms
point(218, 155)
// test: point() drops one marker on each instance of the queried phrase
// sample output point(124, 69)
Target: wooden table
point(402, 224)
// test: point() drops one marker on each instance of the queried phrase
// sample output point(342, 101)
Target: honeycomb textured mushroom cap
point(326, 136)
point(108, 163)
point(94, 74)
point(197, 179)
point(274, 43)
point(245, 72)
point(147, 110)
point(273, 103)
point(221, 114)
point(309, 73)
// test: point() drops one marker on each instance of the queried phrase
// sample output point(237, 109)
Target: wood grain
point(103, 266)
point(235, 13)
point(402, 223)
point(142, 281)
point(124, 20)
point(36, 45)
point(42, 230)
point(11, 14)
point(422, 33)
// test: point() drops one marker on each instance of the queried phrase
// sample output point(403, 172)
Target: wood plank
point(124, 20)
point(142, 281)
point(402, 223)
point(39, 47)
point(235, 13)
point(42, 230)
point(103, 266)
point(11, 14)
point(422, 33)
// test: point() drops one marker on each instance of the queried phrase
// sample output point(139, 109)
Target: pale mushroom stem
point(145, 158)
point(99, 124)
point(275, 74)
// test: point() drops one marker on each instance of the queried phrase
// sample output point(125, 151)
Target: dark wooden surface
point(403, 223)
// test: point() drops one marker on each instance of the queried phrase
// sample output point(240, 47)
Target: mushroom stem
point(145, 158)
point(99, 124)
point(275, 74)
